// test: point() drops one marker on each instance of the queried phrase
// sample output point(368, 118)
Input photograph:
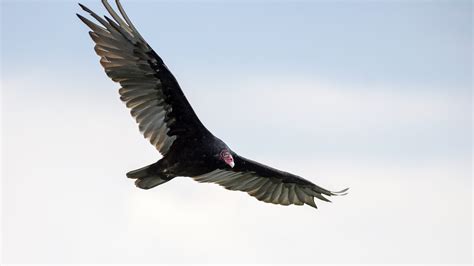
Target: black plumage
point(168, 121)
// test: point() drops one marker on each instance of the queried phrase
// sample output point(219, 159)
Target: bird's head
point(226, 156)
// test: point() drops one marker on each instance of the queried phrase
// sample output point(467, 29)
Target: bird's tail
point(147, 177)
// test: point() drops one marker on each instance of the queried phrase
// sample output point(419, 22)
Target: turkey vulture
point(168, 121)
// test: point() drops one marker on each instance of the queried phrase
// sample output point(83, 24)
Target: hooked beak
point(231, 164)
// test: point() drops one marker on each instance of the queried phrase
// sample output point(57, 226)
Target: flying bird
point(167, 120)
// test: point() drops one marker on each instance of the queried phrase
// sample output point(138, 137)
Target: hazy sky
point(374, 95)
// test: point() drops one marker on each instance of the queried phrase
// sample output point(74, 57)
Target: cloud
point(286, 100)
point(68, 145)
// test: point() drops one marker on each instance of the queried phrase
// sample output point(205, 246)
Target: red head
point(227, 158)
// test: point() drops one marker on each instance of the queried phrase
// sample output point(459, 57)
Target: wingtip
point(341, 192)
point(83, 19)
point(106, 4)
point(85, 8)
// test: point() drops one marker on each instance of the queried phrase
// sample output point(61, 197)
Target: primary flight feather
point(168, 121)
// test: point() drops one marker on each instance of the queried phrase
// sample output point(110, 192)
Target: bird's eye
point(225, 154)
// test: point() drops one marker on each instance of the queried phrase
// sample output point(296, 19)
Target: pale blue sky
point(375, 95)
point(421, 46)
point(397, 42)
point(419, 42)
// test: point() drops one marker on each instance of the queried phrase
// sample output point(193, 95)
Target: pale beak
point(227, 158)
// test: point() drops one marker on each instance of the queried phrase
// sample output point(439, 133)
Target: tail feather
point(149, 182)
point(147, 177)
point(141, 172)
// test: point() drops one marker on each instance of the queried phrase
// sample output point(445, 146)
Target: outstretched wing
point(268, 184)
point(148, 88)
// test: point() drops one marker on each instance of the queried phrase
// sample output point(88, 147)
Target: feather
point(167, 120)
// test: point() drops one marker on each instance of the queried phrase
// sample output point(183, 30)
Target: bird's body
point(183, 160)
point(168, 121)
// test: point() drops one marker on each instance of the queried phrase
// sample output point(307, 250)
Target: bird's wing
point(267, 184)
point(147, 86)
